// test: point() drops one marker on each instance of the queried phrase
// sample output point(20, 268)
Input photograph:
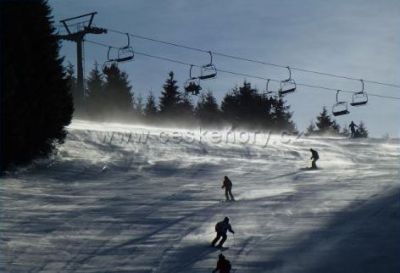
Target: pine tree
point(96, 99)
point(150, 109)
point(310, 129)
point(120, 99)
point(139, 108)
point(362, 130)
point(186, 109)
point(207, 110)
point(345, 131)
point(245, 107)
point(36, 102)
point(281, 115)
point(170, 98)
point(325, 124)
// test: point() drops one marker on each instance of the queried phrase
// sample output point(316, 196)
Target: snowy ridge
point(119, 198)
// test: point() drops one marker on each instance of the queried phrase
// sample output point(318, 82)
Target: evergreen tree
point(362, 130)
point(139, 107)
point(310, 129)
point(150, 109)
point(186, 109)
point(207, 111)
point(345, 131)
point(245, 107)
point(281, 115)
point(325, 124)
point(170, 98)
point(120, 100)
point(96, 100)
point(36, 102)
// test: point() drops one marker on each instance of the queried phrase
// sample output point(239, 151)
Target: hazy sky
point(358, 38)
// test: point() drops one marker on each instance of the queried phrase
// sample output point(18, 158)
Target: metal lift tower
point(77, 27)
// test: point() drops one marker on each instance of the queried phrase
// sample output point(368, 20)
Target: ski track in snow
point(102, 204)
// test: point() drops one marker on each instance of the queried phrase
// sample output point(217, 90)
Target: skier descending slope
point(223, 265)
point(227, 184)
point(222, 228)
point(314, 157)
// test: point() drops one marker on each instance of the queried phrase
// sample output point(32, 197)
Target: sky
point(355, 38)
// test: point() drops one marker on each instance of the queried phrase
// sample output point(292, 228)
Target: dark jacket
point(223, 265)
point(227, 184)
point(314, 154)
point(223, 227)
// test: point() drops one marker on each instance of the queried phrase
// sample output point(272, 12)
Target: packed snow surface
point(119, 198)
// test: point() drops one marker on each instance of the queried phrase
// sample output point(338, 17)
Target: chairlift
point(110, 61)
point(288, 85)
point(125, 53)
point(267, 90)
point(340, 107)
point(359, 98)
point(192, 85)
point(208, 71)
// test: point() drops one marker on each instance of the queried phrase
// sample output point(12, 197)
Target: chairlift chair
point(288, 85)
point(125, 53)
point(192, 85)
point(208, 71)
point(340, 107)
point(359, 98)
point(267, 90)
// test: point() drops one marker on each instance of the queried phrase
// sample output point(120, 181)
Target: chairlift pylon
point(340, 107)
point(192, 85)
point(208, 71)
point(288, 85)
point(359, 98)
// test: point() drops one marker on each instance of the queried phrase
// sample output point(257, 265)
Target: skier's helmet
point(226, 219)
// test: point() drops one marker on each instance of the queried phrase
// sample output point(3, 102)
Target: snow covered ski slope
point(119, 198)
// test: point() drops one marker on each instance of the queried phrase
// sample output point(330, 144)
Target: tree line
point(109, 97)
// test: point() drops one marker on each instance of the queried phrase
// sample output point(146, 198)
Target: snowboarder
point(353, 129)
point(223, 265)
point(227, 184)
point(222, 228)
point(314, 157)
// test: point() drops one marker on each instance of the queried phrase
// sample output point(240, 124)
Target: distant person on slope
point(223, 265)
point(314, 157)
point(227, 184)
point(222, 228)
point(353, 129)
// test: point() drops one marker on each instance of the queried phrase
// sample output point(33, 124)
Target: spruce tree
point(150, 109)
point(207, 111)
point(362, 130)
point(245, 107)
point(310, 129)
point(36, 102)
point(170, 98)
point(281, 115)
point(325, 124)
point(96, 99)
point(120, 100)
point(345, 131)
point(186, 110)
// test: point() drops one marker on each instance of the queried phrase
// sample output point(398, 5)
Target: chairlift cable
point(243, 74)
point(256, 61)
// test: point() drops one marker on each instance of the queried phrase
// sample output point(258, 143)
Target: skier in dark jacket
point(227, 184)
point(353, 129)
point(223, 265)
point(314, 157)
point(222, 228)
